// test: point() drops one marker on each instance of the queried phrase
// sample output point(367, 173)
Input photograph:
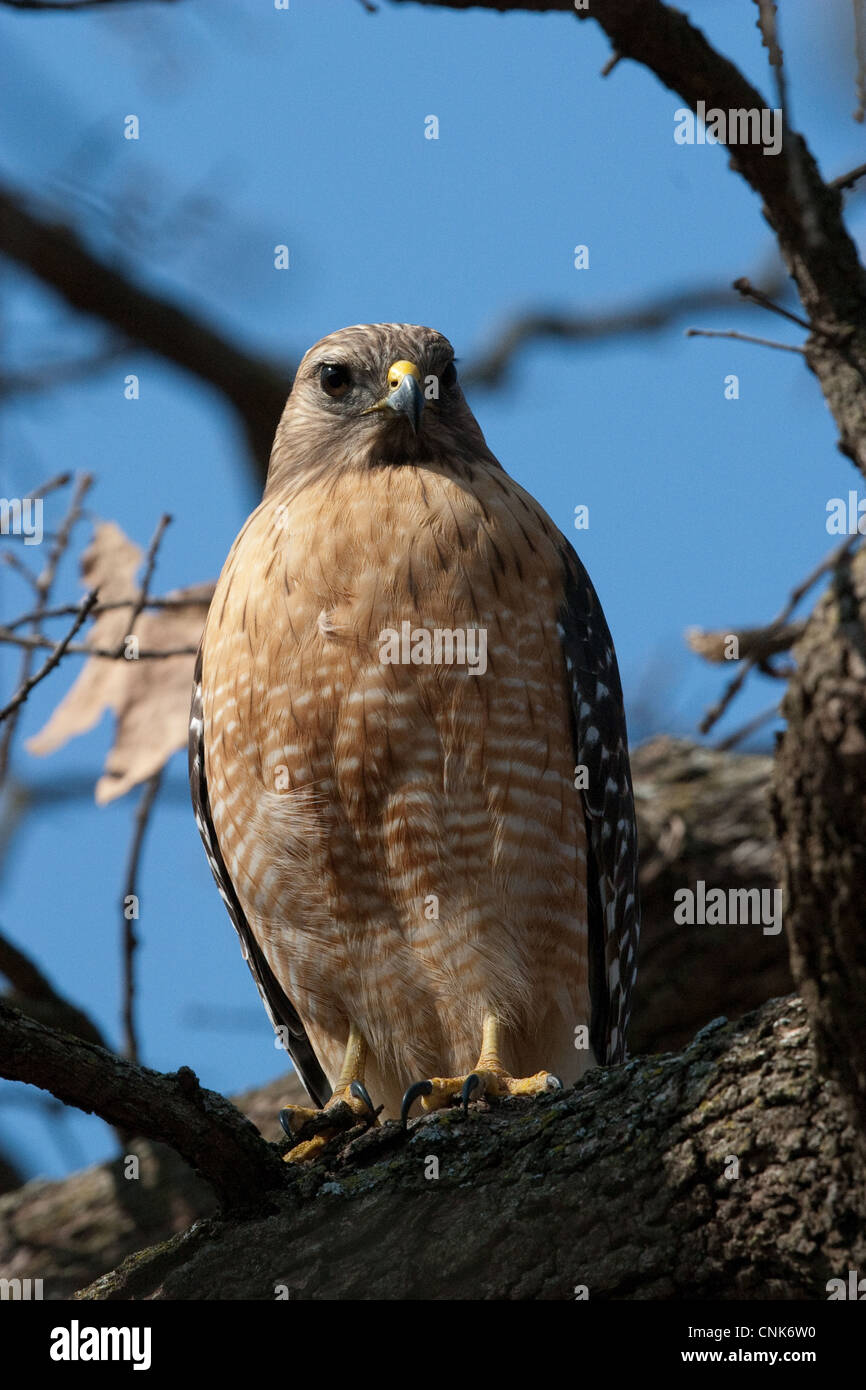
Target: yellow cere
point(398, 370)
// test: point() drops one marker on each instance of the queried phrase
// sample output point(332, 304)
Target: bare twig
point(860, 50)
point(743, 338)
point(66, 610)
point(739, 735)
point(150, 562)
point(792, 151)
point(64, 532)
point(490, 368)
point(43, 586)
point(130, 903)
point(54, 484)
point(714, 714)
point(848, 180)
point(8, 557)
point(825, 567)
point(745, 287)
point(15, 639)
point(58, 651)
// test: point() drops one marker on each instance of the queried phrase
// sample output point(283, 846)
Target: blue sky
point(306, 127)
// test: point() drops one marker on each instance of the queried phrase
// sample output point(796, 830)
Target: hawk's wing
point(600, 745)
point(280, 1008)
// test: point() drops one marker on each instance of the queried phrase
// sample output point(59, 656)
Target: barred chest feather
point(390, 764)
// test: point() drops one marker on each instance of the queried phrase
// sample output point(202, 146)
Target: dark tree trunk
point(820, 812)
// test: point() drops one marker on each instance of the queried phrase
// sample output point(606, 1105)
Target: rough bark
point(619, 1185)
point(69, 1233)
point(705, 815)
point(203, 1127)
point(820, 811)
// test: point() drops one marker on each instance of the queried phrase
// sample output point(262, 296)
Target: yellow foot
point(440, 1091)
point(347, 1107)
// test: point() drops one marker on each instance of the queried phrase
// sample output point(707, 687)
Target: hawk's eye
point(449, 376)
point(335, 379)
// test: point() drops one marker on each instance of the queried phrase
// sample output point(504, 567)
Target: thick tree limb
point(255, 386)
point(202, 1126)
point(70, 1232)
point(819, 803)
point(625, 1185)
point(702, 814)
point(804, 211)
point(56, 254)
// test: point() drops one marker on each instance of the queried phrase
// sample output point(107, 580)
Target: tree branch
point(149, 565)
point(42, 586)
point(56, 254)
point(58, 6)
point(762, 641)
point(743, 338)
point(490, 368)
point(818, 778)
point(35, 643)
point(257, 387)
point(68, 610)
point(130, 939)
point(202, 1126)
point(817, 248)
point(59, 650)
point(655, 1180)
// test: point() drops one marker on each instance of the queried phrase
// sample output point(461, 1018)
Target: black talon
point(418, 1088)
point(360, 1092)
point(558, 1080)
point(285, 1122)
point(469, 1086)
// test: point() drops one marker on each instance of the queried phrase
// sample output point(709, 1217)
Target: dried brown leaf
point(150, 699)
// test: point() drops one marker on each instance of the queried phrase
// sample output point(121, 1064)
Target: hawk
point(408, 752)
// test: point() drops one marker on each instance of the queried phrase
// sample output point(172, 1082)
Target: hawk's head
point(378, 394)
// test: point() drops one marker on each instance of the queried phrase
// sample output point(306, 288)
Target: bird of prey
point(408, 753)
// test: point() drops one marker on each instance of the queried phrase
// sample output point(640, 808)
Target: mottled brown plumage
point(402, 846)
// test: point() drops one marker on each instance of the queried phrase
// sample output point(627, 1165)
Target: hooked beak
point(405, 396)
